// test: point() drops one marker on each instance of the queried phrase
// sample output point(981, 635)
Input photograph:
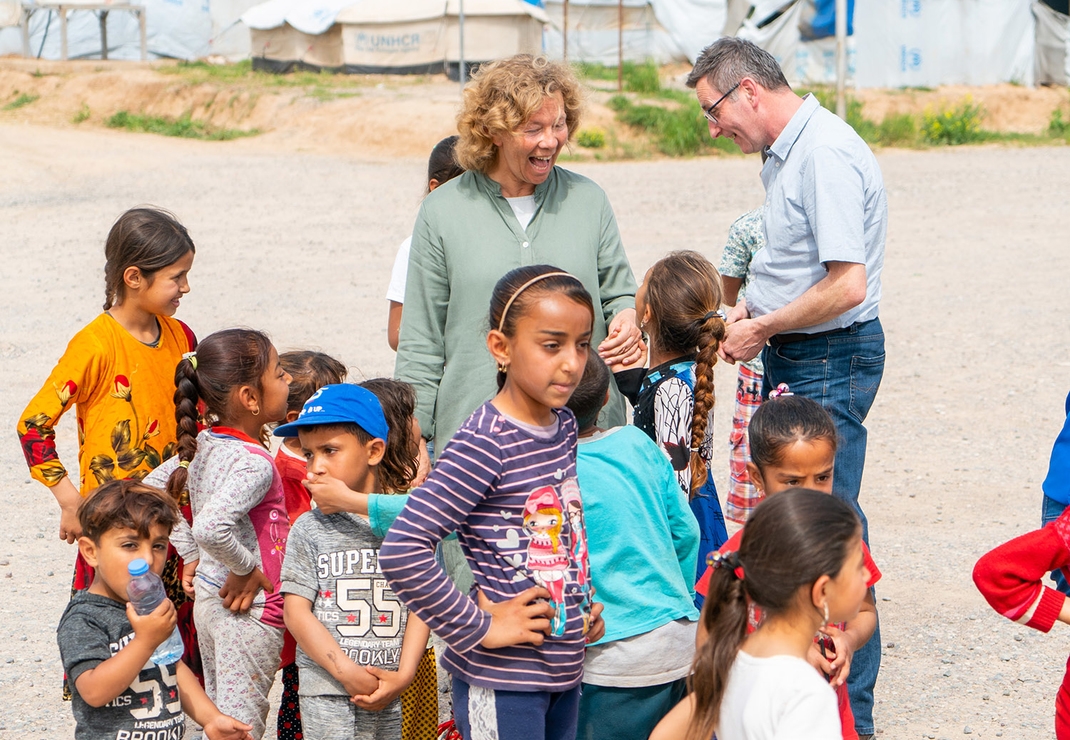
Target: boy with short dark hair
point(643, 545)
point(105, 644)
point(358, 648)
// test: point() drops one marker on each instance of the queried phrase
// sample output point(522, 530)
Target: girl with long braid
point(677, 306)
point(234, 551)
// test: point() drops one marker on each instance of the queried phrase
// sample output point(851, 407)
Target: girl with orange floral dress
point(119, 373)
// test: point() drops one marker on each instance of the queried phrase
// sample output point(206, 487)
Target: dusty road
point(300, 245)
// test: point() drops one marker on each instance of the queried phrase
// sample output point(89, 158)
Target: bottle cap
point(138, 567)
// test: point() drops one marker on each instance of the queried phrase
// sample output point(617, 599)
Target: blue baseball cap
point(343, 403)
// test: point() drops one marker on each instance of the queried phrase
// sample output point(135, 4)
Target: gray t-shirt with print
point(93, 629)
point(333, 561)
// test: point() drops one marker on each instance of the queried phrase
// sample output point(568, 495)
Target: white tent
point(390, 37)
point(658, 30)
point(492, 29)
point(181, 29)
point(291, 34)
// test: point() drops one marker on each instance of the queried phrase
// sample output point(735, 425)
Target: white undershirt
point(523, 208)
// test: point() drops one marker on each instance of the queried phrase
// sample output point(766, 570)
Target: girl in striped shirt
point(516, 643)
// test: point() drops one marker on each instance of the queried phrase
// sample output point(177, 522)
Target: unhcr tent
point(390, 37)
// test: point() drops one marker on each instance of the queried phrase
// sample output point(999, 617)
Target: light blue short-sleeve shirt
point(825, 202)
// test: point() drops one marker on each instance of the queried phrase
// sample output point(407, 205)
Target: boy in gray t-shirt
point(105, 645)
point(357, 647)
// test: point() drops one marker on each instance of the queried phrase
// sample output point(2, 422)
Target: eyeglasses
point(708, 112)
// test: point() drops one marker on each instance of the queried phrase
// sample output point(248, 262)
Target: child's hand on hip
point(189, 572)
point(239, 591)
point(157, 625)
point(391, 684)
point(522, 619)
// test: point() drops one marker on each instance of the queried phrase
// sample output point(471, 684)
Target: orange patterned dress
point(123, 391)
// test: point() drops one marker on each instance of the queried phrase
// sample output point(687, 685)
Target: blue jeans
point(1049, 512)
point(842, 371)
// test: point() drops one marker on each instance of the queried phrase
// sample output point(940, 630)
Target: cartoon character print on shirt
point(549, 557)
point(573, 505)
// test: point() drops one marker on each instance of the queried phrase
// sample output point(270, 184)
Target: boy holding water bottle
point(106, 645)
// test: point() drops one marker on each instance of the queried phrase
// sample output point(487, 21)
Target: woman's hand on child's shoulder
point(239, 592)
point(391, 684)
point(523, 619)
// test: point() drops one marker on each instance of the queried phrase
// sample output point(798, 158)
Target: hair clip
point(718, 314)
point(192, 357)
point(725, 560)
point(780, 391)
point(183, 464)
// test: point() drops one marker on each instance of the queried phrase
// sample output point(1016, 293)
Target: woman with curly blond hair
point(512, 207)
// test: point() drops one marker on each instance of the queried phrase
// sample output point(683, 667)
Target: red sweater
point(1009, 577)
point(298, 500)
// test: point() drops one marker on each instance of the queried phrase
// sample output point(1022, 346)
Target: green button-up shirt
point(465, 239)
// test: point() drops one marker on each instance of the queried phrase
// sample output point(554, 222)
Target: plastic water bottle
point(146, 592)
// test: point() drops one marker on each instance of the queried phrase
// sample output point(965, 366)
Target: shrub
point(591, 138)
point(952, 126)
point(20, 101)
point(1057, 127)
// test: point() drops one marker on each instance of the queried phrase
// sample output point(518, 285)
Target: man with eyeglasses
point(811, 308)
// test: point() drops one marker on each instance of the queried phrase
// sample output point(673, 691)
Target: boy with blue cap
point(357, 646)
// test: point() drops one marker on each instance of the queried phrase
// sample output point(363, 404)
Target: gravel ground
point(301, 245)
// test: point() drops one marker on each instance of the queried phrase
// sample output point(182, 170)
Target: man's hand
point(743, 341)
point(239, 591)
point(518, 621)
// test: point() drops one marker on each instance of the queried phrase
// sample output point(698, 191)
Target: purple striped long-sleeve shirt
point(514, 502)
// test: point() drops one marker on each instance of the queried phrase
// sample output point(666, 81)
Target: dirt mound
point(373, 116)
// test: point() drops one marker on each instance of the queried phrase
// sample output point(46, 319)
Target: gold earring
point(826, 605)
point(503, 368)
point(257, 412)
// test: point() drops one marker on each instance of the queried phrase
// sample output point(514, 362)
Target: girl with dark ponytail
point(800, 561)
point(677, 306)
point(234, 384)
point(115, 375)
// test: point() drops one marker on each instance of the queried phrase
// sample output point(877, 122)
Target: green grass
point(638, 78)
point(81, 115)
point(679, 129)
point(20, 101)
point(1058, 128)
point(183, 127)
